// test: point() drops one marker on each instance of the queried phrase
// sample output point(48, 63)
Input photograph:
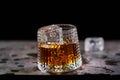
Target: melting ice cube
point(94, 44)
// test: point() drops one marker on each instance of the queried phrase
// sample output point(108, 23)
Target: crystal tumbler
point(58, 48)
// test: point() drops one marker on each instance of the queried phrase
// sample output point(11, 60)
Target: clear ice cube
point(50, 34)
point(94, 44)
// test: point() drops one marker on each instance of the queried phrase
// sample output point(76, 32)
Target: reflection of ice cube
point(94, 44)
point(50, 34)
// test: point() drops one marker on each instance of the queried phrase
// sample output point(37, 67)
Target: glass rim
point(70, 26)
point(63, 26)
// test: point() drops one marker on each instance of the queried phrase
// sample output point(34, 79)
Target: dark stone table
point(20, 58)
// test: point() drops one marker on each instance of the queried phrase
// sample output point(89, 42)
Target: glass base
point(60, 69)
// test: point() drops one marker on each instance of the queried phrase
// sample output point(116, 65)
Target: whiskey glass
point(58, 48)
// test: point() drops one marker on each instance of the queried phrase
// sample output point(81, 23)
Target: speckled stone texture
point(20, 58)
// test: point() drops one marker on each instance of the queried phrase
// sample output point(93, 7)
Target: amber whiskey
point(59, 57)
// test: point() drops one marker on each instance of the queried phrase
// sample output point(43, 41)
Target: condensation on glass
point(58, 48)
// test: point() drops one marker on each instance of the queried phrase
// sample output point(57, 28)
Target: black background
point(20, 21)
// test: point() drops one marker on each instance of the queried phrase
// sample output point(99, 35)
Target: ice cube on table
point(94, 44)
point(50, 34)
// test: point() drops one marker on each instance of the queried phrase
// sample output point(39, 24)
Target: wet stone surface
point(117, 54)
point(32, 54)
point(111, 62)
point(20, 58)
